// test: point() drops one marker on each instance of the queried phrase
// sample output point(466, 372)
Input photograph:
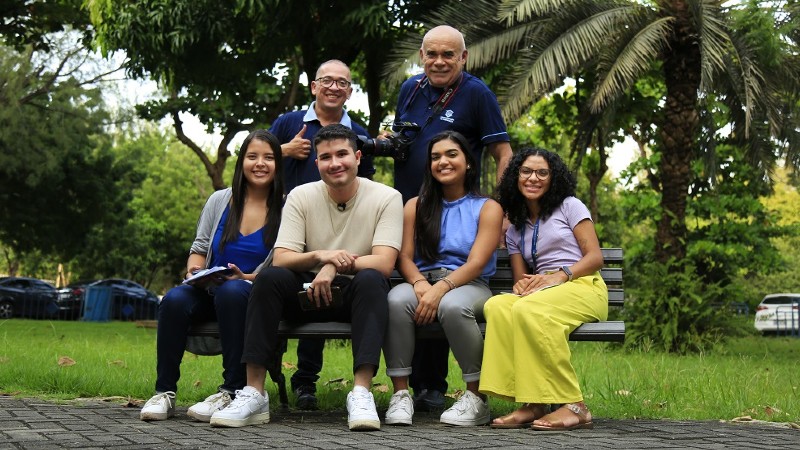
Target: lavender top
point(556, 245)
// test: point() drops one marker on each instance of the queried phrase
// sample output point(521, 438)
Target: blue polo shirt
point(297, 172)
point(472, 111)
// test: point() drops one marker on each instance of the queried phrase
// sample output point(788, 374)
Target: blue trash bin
point(97, 304)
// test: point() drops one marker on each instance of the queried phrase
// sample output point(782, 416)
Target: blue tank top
point(247, 252)
point(459, 229)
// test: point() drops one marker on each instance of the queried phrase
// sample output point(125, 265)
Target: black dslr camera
point(395, 145)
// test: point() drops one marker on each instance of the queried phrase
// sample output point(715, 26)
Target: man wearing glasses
point(444, 97)
point(295, 131)
point(331, 87)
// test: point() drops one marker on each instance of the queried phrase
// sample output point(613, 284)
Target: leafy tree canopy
point(697, 48)
point(56, 174)
point(33, 22)
point(148, 239)
point(236, 64)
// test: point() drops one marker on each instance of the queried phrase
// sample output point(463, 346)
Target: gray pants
point(458, 313)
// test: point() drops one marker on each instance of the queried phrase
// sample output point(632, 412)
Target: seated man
point(343, 234)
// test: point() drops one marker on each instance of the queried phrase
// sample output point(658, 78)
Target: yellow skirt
point(526, 356)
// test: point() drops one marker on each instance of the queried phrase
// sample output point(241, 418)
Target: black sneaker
point(306, 399)
point(429, 400)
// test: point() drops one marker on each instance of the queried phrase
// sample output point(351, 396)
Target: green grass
point(750, 375)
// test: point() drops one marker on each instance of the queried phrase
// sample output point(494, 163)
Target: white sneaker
point(160, 407)
point(204, 410)
point(361, 412)
point(401, 409)
point(248, 408)
point(469, 410)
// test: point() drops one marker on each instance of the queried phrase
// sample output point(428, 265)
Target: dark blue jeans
point(184, 305)
point(309, 363)
point(429, 365)
point(274, 297)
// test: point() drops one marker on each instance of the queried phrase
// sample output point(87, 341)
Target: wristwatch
point(567, 271)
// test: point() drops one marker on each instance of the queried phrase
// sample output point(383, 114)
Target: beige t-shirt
point(312, 221)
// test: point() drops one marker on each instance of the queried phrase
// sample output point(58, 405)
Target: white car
point(778, 312)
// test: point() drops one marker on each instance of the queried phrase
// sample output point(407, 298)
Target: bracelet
point(421, 279)
point(448, 281)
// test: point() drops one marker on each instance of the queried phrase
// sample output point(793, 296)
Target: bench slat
point(616, 297)
point(501, 282)
point(611, 256)
point(503, 277)
point(598, 331)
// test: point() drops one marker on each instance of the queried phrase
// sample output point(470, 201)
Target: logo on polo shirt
point(448, 116)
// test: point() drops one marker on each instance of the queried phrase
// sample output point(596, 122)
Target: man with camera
point(444, 97)
point(341, 236)
point(331, 87)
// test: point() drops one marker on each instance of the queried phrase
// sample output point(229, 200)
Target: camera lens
point(375, 147)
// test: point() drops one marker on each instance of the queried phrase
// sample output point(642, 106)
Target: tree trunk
point(213, 169)
point(373, 77)
point(595, 175)
point(12, 262)
point(678, 135)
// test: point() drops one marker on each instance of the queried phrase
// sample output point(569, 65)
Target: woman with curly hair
point(448, 254)
point(555, 260)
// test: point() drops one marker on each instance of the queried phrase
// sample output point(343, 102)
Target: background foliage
point(84, 183)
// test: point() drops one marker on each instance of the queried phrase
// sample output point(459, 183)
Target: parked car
point(30, 297)
point(129, 300)
point(73, 295)
point(778, 312)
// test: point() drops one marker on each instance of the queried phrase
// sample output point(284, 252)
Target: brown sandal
point(510, 421)
point(579, 409)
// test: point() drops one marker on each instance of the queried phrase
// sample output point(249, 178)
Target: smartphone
point(307, 304)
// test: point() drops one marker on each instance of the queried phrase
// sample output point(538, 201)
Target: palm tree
point(693, 46)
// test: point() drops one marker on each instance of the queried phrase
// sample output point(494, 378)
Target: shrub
point(670, 308)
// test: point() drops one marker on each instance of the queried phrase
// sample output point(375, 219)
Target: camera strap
point(443, 100)
point(446, 96)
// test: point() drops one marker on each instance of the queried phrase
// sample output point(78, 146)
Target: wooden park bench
point(204, 337)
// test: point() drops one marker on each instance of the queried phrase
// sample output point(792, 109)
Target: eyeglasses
point(328, 82)
point(525, 173)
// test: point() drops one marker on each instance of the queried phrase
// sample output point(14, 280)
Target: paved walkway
point(37, 424)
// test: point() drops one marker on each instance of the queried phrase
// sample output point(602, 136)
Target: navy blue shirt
point(296, 171)
point(472, 111)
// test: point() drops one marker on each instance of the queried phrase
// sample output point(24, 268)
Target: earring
point(469, 167)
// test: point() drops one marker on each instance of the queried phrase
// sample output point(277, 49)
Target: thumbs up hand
point(298, 147)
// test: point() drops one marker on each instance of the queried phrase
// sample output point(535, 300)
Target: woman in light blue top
point(237, 229)
point(450, 235)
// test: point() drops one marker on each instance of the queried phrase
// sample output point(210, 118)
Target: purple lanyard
point(534, 241)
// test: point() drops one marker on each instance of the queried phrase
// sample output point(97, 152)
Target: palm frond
point(634, 59)
point(403, 57)
point(499, 46)
point(515, 11)
point(469, 17)
point(562, 48)
point(713, 37)
point(514, 91)
point(742, 67)
point(465, 16)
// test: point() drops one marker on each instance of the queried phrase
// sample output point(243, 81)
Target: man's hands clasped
point(335, 262)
